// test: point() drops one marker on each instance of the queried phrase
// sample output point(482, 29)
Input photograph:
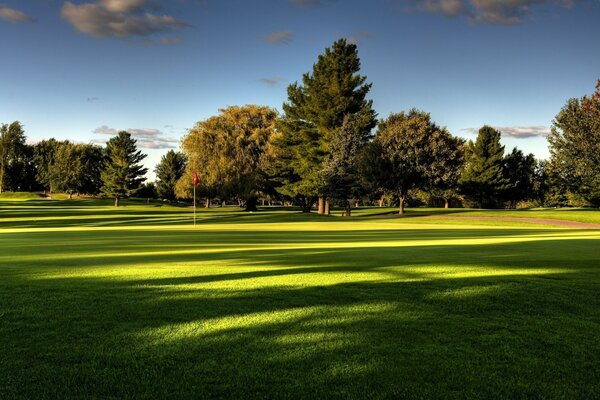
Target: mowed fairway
point(137, 303)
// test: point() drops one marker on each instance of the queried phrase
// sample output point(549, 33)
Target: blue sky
point(82, 70)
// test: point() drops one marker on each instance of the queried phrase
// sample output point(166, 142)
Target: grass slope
point(136, 303)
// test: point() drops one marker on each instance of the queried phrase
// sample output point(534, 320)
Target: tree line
point(326, 148)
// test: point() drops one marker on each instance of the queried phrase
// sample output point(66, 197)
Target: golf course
point(137, 302)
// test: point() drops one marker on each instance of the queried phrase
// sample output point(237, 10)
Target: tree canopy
point(483, 179)
point(230, 152)
point(314, 117)
point(575, 146)
point(122, 174)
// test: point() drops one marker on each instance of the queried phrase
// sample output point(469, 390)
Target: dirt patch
point(542, 221)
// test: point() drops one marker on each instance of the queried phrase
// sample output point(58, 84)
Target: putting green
point(98, 302)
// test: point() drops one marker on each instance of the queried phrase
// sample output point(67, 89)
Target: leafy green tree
point(519, 171)
point(170, 169)
point(43, 157)
point(230, 152)
point(66, 170)
point(147, 191)
point(12, 155)
point(404, 145)
point(92, 164)
point(341, 170)
point(447, 155)
point(483, 178)
point(314, 113)
point(122, 174)
point(575, 147)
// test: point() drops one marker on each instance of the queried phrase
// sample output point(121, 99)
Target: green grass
point(18, 196)
point(135, 302)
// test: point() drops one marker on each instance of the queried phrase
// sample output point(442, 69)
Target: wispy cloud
point(517, 132)
point(501, 12)
point(357, 37)
point(280, 37)
point(13, 15)
point(146, 138)
point(272, 82)
point(120, 19)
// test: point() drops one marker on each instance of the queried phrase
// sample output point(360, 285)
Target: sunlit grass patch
point(136, 302)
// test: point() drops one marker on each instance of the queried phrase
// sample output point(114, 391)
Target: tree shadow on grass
point(489, 320)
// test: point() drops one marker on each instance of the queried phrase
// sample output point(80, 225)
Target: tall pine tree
point(314, 113)
point(483, 179)
point(168, 172)
point(123, 173)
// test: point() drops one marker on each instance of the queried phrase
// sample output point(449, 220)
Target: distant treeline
point(327, 147)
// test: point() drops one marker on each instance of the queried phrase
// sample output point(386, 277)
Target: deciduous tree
point(575, 146)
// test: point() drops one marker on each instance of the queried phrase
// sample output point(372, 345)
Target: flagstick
point(194, 205)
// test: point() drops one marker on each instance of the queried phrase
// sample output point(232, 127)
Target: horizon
point(85, 70)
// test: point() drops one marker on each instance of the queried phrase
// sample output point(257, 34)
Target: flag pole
point(194, 205)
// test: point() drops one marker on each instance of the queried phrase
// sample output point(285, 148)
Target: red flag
point(196, 180)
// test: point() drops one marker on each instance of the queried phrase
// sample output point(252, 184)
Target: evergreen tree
point(519, 171)
point(122, 174)
point(168, 172)
point(483, 179)
point(314, 113)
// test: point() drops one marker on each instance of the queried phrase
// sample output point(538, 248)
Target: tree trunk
point(446, 203)
point(381, 200)
point(116, 202)
point(401, 199)
point(207, 202)
point(348, 209)
point(321, 208)
point(251, 204)
point(327, 208)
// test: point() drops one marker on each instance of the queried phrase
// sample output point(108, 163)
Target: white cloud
point(12, 15)
point(280, 37)
point(147, 138)
point(517, 132)
point(272, 82)
point(119, 19)
point(502, 12)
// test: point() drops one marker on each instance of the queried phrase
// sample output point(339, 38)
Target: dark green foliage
point(13, 156)
point(341, 173)
point(122, 174)
point(520, 172)
point(147, 191)
point(483, 179)
point(66, 171)
point(575, 147)
point(315, 113)
point(43, 157)
point(65, 166)
point(447, 155)
point(403, 153)
point(168, 172)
